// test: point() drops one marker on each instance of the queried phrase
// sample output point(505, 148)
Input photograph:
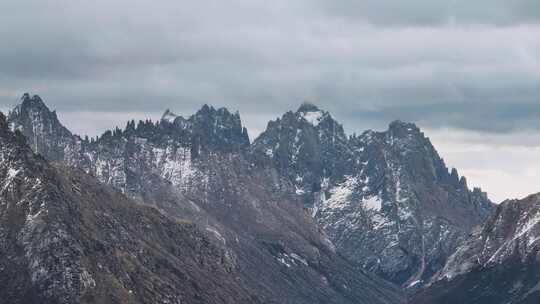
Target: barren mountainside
point(66, 238)
point(498, 264)
point(200, 168)
point(385, 199)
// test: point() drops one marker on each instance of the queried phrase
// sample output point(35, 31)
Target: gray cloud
point(468, 72)
point(426, 12)
point(479, 116)
point(369, 61)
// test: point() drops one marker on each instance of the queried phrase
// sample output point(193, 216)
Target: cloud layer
point(470, 67)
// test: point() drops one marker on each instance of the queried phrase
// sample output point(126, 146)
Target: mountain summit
point(41, 127)
point(306, 146)
point(201, 169)
point(66, 238)
point(308, 107)
point(386, 199)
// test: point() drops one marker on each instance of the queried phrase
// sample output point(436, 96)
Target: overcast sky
point(467, 72)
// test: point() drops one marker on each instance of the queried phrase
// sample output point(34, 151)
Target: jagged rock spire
point(3, 121)
point(168, 116)
point(308, 107)
point(41, 127)
point(32, 101)
point(391, 180)
point(228, 195)
point(380, 196)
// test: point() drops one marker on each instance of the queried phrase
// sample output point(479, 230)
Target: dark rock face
point(65, 238)
point(385, 199)
point(41, 127)
point(307, 147)
point(498, 264)
point(201, 169)
point(115, 157)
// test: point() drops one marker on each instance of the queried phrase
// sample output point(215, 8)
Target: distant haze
point(468, 73)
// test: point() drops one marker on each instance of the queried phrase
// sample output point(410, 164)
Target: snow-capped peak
point(313, 117)
point(310, 113)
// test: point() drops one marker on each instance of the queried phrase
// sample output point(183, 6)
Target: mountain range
point(325, 216)
point(196, 170)
point(66, 238)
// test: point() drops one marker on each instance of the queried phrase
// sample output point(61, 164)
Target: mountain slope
point(385, 199)
point(498, 264)
point(65, 238)
point(199, 168)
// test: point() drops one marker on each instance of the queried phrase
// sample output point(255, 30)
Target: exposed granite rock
point(498, 264)
point(41, 127)
point(65, 238)
point(201, 169)
point(385, 199)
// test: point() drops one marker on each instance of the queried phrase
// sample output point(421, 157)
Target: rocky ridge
point(200, 168)
point(66, 238)
point(498, 264)
point(386, 199)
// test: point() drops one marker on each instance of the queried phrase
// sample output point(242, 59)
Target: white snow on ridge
point(372, 203)
point(175, 165)
point(378, 221)
point(508, 246)
point(340, 195)
point(11, 174)
point(216, 234)
point(414, 283)
point(525, 228)
point(291, 259)
point(313, 117)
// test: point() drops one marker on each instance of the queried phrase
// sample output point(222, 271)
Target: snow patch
point(298, 258)
point(10, 176)
point(372, 203)
point(313, 117)
point(378, 221)
point(216, 234)
point(340, 195)
point(290, 259)
point(414, 283)
point(175, 165)
point(12, 173)
point(507, 246)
